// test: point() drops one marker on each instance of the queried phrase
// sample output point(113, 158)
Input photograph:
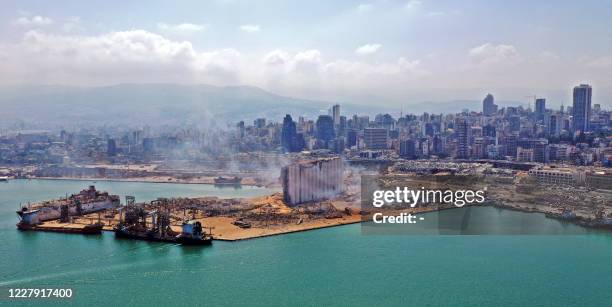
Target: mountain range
point(51, 106)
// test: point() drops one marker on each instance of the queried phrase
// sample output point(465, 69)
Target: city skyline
point(390, 52)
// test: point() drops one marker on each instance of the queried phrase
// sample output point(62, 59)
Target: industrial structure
point(312, 180)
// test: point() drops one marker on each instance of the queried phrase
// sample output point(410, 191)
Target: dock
point(267, 215)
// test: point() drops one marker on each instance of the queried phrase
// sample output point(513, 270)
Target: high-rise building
point(241, 128)
point(462, 131)
point(336, 114)
point(489, 131)
point(288, 134)
point(582, 107)
point(540, 108)
point(541, 151)
point(511, 143)
point(515, 123)
point(597, 108)
point(478, 148)
point(259, 123)
point(375, 138)
point(351, 138)
point(438, 145)
point(148, 145)
point(554, 125)
point(111, 148)
point(408, 149)
point(488, 105)
point(325, 129)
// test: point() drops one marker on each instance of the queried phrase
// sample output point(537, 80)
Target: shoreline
point(582, 222)
point(354, 219)
point(143, 180)
point(272, 234)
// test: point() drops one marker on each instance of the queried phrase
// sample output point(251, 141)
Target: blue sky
point(358, 51)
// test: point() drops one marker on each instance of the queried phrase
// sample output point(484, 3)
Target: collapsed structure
point(312, 180)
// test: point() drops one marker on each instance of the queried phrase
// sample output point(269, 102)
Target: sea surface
point(333, 266)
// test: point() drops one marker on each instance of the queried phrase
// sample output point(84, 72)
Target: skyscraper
point(554, 125)
point(540, 108)
point(462, 130)
point(288, 133)
point(582, 107)
point(336, 114)
point(488, 106)
point(325, 129)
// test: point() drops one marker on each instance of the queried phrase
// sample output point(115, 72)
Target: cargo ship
point(192, 234)
point(87, 201)
point(133, 225)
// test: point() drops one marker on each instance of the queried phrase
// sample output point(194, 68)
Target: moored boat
point(87, 201)
point(92, 229)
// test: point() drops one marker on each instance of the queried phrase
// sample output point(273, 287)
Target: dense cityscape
point(579, 135)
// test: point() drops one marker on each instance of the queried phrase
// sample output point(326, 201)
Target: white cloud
point(250, 28)
point(35, 21)
point(412, 5)
point(368, 49)
point(401, 67)
point(490, 54)
point(364, 7)
point(139, 56)
point(308, 61)
point(182, 27)
point(276, 58)
point(124, 56)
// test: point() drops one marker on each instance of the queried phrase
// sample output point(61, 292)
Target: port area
point(587, 207)
point(234, 219)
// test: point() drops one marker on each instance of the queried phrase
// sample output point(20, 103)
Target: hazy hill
point(173, 104)
point(154, 104)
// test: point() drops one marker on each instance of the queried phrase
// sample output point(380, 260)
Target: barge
point(92, 229)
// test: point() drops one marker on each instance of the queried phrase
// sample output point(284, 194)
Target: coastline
point(148, 180)
point(587, 223)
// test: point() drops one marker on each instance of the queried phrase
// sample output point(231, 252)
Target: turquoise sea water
point(333, 266)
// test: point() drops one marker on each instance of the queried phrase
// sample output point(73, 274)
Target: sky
point(393, 52)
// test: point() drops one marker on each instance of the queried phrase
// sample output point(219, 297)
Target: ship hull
point(54, 212)
point(122, 234)
point(87, 230)
point(194, 241)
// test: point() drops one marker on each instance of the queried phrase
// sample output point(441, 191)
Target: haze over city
point(264, 153)
point(394, 53)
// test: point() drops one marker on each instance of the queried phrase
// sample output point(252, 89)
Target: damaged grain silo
point(312, 180)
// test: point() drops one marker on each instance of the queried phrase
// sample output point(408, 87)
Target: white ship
point(86, 201)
